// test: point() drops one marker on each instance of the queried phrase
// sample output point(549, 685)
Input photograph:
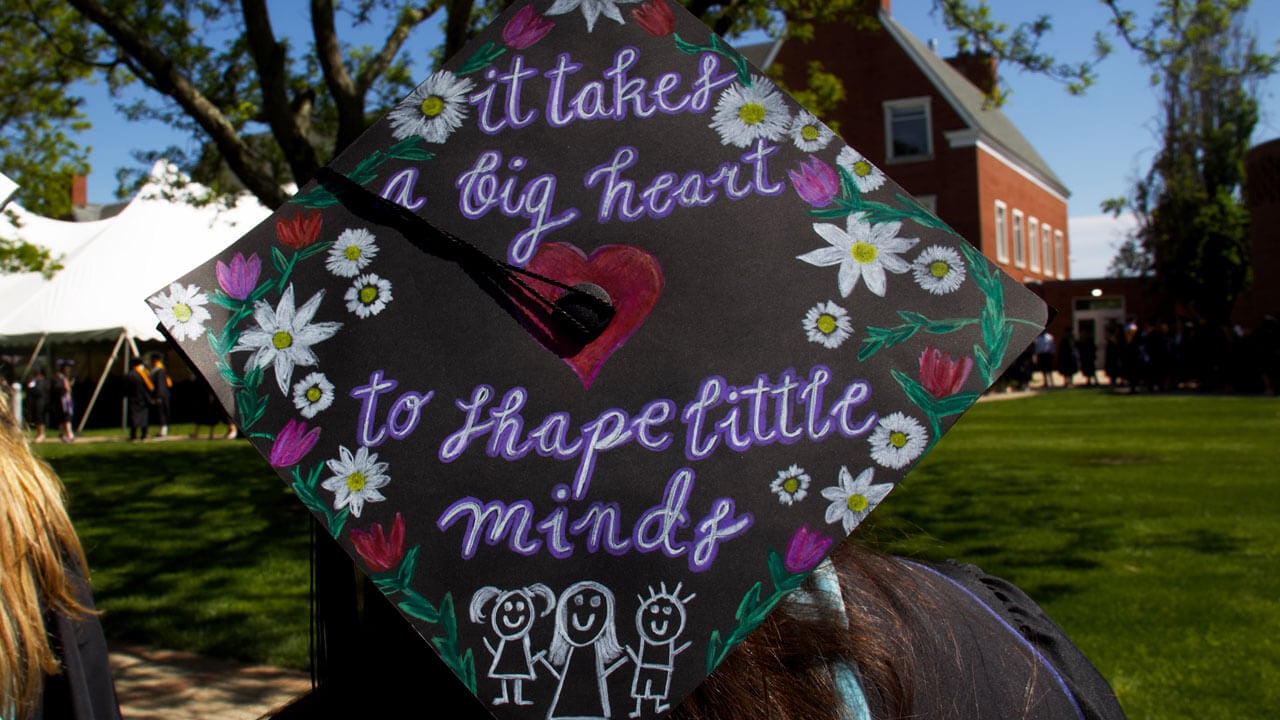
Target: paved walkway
point(170, 685)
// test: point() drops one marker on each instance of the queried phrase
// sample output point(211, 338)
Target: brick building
point(927, 122)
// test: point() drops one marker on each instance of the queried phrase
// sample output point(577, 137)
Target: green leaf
point(687, 47)
point(410, 149)
point(954, 404)
point(417, 610)
point(278, 259)
point(408, 566)
point(749, 601)
point(714, 646)
point(482, 58)
point(339, 522)
point(915, 392)
point(777, 568)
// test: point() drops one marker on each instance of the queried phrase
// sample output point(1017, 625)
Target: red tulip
point(655, 17)
point(806, 549)
point(299, 231)
point(941, 375)
point(293, 443)
point(525, 28)
point(380, 552)
point(815, 182)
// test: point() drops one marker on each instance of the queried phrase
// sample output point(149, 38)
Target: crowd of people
point(150, 401)
point(1156, 356)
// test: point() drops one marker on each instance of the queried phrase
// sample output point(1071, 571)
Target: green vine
point(308, 491)
point(753, 609)
point(851, 202)
point(320, 196)
point(718, 47)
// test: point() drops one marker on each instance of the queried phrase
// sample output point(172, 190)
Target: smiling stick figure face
point(586, 610)
point(661, 616)
point(513, 615)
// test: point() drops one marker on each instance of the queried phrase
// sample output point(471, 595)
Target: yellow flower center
point(182, 312)
point(352, 252)
point(898, 439)
point(281, 340)
point(368, 294)
point(864, 252)
point(862, 168)
point(356, 481)
point(791, 485)
point(432, 106)
point(751, 113)
point(809, 132)
point(826, 324)
point(939, 269)
point(857, 503)
point(314, 394)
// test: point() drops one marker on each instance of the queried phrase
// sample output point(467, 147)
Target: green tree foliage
point(1192, 231)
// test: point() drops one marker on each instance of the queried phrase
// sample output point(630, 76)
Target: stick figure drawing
point(659, 620)
point(513, 613)
point(584, 650)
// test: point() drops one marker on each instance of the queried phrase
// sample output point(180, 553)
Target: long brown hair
point(782, 671)
point(37, 543)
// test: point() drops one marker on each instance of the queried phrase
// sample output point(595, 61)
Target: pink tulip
point(806, 549)
point(239, 279)
point(380, 552)
point(941, 375)
point(815, 182)
point(525, 28)
point(293, 443)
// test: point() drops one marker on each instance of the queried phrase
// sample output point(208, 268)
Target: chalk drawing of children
point(659, 620)
point(583, 653)
point(513, 614)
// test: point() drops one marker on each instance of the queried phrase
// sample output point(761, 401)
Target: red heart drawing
point(631, 276)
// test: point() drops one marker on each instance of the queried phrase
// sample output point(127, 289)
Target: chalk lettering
point(481, 191)
point(399, 189)
point(511, 83)
point(402, 419)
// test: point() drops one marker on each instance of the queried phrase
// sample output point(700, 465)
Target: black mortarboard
point(592, 347)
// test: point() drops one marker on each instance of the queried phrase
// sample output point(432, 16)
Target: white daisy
point(862, 251)
point(182, 311)
point(791, 485)
point(853, 499)
point(746, 113)
point(897, 440)
point(351, 252)
point(312, 394)
point(866, 176)
point(938, 269)
point(809, 133)
point(828, 324)
point(284, 336)
point(356, 479)
point(368, 295)
point(591, 9)
point(434, 110)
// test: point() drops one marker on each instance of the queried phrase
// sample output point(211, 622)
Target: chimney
point(978, 67)
point(79, 191)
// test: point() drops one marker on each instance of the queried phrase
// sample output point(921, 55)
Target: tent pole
point(106, 367)
point(31, 361)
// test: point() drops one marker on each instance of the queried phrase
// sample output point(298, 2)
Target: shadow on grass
point(193, 546)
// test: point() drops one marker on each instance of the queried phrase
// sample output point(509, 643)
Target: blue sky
point(1097, 143)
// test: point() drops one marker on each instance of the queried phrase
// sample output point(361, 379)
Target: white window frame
point(1059, 254)
point(915, 103)
point(1046, 245)
point(1019, 239)
point(1002, 233)
point(1033, 243)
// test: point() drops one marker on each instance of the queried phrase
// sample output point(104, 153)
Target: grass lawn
point(1148, 526)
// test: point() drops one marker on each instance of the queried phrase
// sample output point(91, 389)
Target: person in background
point(53, 654)
point(1068, 359)
point(1044, 349)
point(62, 407)
point(163, 392)
point(37, 402)
point(141, 391)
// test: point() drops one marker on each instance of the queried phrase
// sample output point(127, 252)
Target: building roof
point(994, 128)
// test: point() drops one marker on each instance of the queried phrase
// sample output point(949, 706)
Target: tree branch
point(270, 57)
point(164, 77)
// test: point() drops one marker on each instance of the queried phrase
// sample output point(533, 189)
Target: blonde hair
point(37, 544)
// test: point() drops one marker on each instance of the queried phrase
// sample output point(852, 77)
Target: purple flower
point(380, 553)
point(815, 182)
point(525, 28)
point(293, 443)
point(239, 279)
point(806, 549)
point(942, 376)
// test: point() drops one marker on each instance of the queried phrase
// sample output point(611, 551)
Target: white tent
point(111, 266)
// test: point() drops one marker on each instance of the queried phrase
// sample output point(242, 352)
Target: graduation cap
point(591, 349)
